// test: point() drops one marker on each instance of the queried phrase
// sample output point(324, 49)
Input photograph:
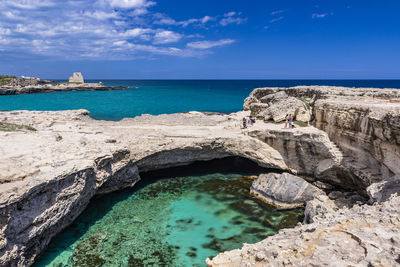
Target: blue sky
point(219, 39)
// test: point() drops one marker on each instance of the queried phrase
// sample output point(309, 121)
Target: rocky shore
point(343, 168)
point(51, 88)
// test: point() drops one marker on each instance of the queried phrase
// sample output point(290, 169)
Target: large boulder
point(258, 108)
point(274, 97)
point(248, 101)
point(382, 191)
point(319, 206)
point(279, 108)
point(284, 191)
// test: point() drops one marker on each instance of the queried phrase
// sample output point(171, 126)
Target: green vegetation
point(301, 123)
point(261, 118)
point(296, 112)
point(10, 127)
point(5, 79)
point(306, 101)
point(6, 76)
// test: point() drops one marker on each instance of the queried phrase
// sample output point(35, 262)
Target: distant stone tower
point(76, 78)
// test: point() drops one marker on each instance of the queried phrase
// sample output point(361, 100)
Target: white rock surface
point(361, 236)
point(76, 78)
point(283, 191)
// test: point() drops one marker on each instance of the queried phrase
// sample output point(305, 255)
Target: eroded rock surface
point(364, 123)
point(283, 191)
point(360, 236)
point(340, 230)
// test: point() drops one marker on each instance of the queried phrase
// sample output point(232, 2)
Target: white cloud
point(277, 19)
point(131, 4)
point(136, 32)
point(230, 14)
point(232, 18)
point(4, 31)
point(319, 16)
point(11, 14)
point(276, 12)
point(206, 19)
point(210, 44)
point(102, 29)
point(165, 37)
point(101, 15)
point(29, 4)
point(140, 11)
point(162, 19)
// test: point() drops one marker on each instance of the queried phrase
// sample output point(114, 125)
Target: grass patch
point(5, 81)
point(11, 127)
point(301, 123)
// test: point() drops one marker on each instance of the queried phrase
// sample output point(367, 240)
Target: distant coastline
point(12, 85)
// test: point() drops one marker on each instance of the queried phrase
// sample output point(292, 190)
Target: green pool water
point(178, 221)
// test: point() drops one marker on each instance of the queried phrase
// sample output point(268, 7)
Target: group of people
point(251, 121)
point(289, 121)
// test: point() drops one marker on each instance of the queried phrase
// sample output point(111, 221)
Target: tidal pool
point(178, 221)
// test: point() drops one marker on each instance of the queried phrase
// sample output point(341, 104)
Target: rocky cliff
point(364, 124)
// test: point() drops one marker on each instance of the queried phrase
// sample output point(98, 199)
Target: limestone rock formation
point(319, 206)
point(277, 105)
point(283, 191)
point(76, 78)
point(23, 82)
point(360, 236)
point(382, 191)
point(364, 123)
point(341, 231)
point(302, 149)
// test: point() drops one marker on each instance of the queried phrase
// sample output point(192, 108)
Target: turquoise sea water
point(178, 221)
point(156, 97)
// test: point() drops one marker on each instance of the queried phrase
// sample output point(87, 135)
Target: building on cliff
point(76, 78)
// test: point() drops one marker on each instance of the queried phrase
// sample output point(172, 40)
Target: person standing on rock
point(244, 123)
point(290, 120)
point(286, 120)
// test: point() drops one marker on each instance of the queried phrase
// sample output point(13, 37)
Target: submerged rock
point(283, 191)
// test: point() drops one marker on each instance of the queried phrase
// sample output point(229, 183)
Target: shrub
point(301, 123)
point(11, 127)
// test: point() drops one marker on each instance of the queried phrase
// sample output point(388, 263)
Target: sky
point(207, 39)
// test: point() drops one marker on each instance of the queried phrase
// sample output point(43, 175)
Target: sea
point(165, 96)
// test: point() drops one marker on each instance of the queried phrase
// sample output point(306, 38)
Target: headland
point(11, 85)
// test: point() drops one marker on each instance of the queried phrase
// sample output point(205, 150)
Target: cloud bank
point(104, 29)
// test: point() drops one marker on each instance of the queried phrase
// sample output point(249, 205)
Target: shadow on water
point(233, 191)
point(226, 165)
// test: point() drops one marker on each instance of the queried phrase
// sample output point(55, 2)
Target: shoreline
point(53, 89)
